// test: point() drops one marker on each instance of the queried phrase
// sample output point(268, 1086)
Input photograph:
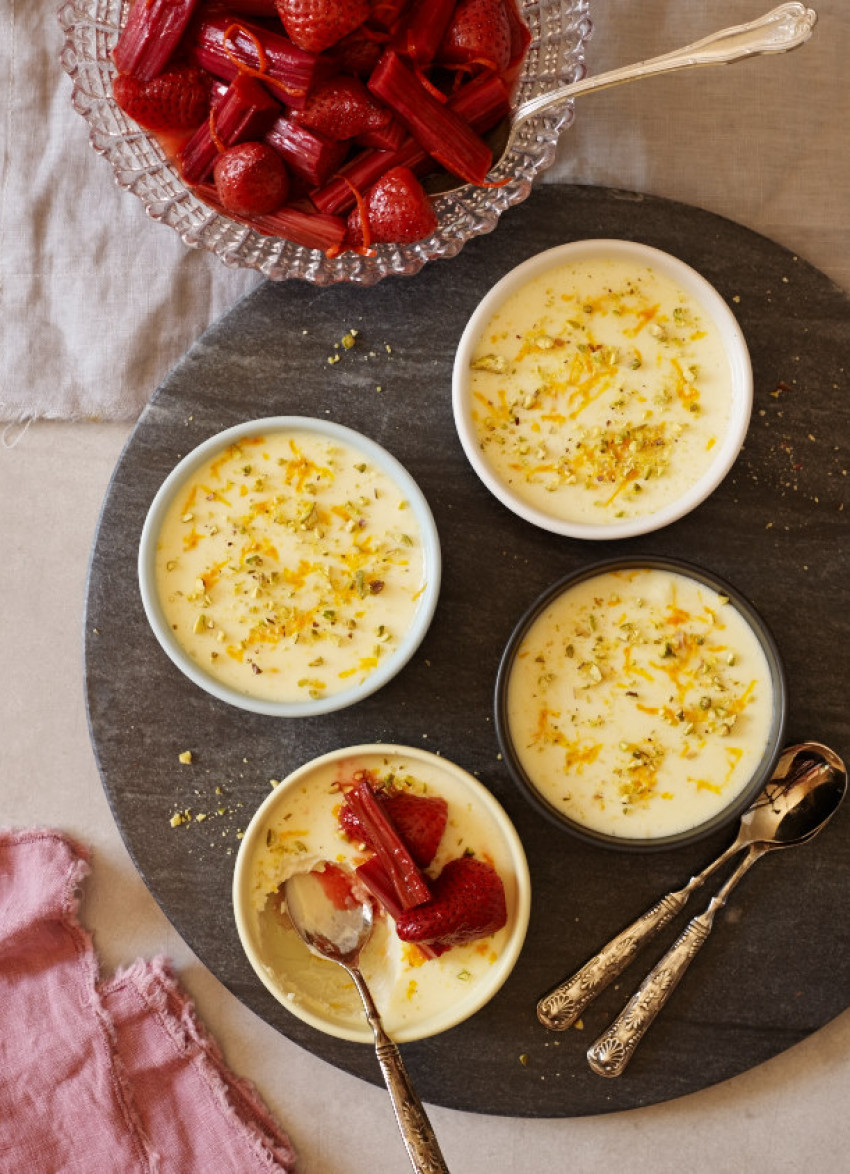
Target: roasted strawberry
point(251, 179)
point(317, 24)
point(358, 53)
point(478, 33)
point(342, 108)
point(468, 903)
point(396, 209)
point(420, 820)
point(178, 99)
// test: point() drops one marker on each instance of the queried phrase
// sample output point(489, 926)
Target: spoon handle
point(563, 1005)
point(616, 1046)
point(779, 30)
point(416, 1130)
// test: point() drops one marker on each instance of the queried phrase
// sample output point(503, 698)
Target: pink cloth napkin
point(106, 1076)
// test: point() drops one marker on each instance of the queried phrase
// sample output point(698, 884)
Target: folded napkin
point(106, 1076)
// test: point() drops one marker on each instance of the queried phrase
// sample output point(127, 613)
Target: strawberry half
point(251, 179)
point(420, 820)
point(397, 211)
point(342, 108)
point(468, 903)
point(178, 99)
point(478, 33)
point(315, 25)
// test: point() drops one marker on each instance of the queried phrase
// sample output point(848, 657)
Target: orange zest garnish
point(220, 146)
point(427, 84)
point(365, 249)
point(261, 71)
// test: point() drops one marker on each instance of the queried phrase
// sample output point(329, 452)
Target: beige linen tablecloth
point(98, 302)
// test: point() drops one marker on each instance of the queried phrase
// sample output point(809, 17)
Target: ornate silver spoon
point(779, 30)
point(339, 935)
point(809, 778)
point(821, 790)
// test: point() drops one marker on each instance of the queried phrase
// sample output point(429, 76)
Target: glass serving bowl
point(559, 30)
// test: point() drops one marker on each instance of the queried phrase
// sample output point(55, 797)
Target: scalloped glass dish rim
point(559, 33)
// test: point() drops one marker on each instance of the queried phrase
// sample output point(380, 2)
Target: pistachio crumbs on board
point(640, 702)
point(289, 566)
point(600, 391)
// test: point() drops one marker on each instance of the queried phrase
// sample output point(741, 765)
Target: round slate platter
point(777, 966)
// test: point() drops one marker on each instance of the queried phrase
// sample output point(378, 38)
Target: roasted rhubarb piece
point(251, 179)
point(310, 229)
point(482, 103)
point(388, 137)
point(423, 29)
point(437, 128)
point(372, 875)
point(403, 875)
point(420, 820)
point(224, 45)
point(309, 155)
point(245, 112)
point(151, 35)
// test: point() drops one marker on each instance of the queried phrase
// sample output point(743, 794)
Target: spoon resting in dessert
point(337, 927)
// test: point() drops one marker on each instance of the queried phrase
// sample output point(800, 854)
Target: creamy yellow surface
point(289, 566)
point(304, 831)
point(600, 391)
point(640, 703)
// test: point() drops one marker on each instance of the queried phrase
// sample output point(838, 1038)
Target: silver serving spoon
point(779, 30)
point(339, 935)
point(793, 811)
point(806, 786)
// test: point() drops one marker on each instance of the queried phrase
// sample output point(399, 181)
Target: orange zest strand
point(220, 146)
point(365, 249)
point(428, 85)
point(262, 70)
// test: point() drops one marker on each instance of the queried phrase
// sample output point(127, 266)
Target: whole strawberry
point(315, 25)
point(468, 902)
point(177, 99)
point(251, 179)
point(479, 32)
point(397, 211)
point(342, 108)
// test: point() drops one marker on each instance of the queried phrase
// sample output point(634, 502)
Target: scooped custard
point(601, 390)
point(289, 566)
point(640, 703)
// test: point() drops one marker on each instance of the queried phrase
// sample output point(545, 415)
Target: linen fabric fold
point(109, 1076)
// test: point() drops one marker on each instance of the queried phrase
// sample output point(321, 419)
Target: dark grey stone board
point(777, 966)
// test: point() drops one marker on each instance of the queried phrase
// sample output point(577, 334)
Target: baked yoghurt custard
point(289, 566)
point(639, 703)
point(600, 391)
point(410, 980)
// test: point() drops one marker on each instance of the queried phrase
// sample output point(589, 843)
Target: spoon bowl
point(333, 932)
